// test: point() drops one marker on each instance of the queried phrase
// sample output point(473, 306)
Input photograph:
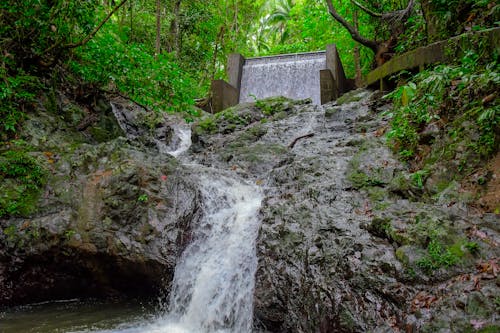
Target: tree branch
point(92, 34)
point(86, 39)
point(367, 10)
point(373, 45)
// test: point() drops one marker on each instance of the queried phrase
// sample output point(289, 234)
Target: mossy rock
point(22, 178)
point(350, 97)
point(409, 255)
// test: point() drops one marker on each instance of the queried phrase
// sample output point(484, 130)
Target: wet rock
point(346, 234)
point(112, 220)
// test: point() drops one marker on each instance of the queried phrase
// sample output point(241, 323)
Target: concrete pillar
point(235, 63)
point(334, 64)
point(327, 86)
point(224, 95)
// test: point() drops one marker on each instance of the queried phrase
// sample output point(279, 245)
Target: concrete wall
point(443, 51)
point(332, 81)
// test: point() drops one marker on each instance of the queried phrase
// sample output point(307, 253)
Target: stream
point(213, 285)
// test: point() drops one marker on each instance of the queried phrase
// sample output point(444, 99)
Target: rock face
point(347, 243)
point(113, 217)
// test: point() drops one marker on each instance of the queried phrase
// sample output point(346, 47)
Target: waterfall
point(295, 76)
point(213, 283)
point(181, 141)
point(212, 290)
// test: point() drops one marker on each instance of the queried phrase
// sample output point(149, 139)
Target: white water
point(295, 76)
point(181, 141)
point(214, 280)
point(212, 290)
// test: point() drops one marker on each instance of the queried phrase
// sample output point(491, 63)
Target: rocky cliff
point(347, 243)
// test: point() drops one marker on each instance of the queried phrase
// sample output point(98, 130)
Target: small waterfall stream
point(213, 285)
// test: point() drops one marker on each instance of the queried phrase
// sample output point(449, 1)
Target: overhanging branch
point(371, 44)
point(367, 10)
point(92, 34)
point(89, 36)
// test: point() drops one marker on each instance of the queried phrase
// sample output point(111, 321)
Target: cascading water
point(214, 279)
point(295, 76)
point(181, 141)
point(213, 284)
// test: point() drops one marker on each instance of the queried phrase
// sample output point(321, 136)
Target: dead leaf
point(477, 280)
point(478, 324)
point(422, 300)
point(25, 225)
point(489, 267)
point(380, 131)
point(488, 99)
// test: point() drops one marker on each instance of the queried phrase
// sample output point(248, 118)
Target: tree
point(383, 49)
point(158, 29)
point(279, 16)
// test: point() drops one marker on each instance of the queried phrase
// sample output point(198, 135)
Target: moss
point(383, 228)
point(359, 179)
point(347, 320)
point(350, 97)
point(273, 105)
point(377, 194)
point(489, 329)
point(21, 180)
point(19, 237)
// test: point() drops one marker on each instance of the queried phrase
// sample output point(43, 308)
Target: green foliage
point(452, 94)
point(32, 34)
point(159, 83)
point(33, 31)
point(143, 198)
point(15, 93)
point(418, 178)
point(21, 179)
point(437, 256)
point(414, 35)
point(305, 26)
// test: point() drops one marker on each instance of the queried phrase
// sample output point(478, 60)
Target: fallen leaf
point(477, 281)
point(422, 300)
point(25, 225)
point(478, 324)
point(488, 99)
point(489, 267)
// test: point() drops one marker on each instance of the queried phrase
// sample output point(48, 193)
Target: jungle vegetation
point(163, 55)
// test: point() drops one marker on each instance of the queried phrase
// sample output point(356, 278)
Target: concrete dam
point(316, 75)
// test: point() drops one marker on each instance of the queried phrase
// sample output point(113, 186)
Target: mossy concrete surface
point(487, 41)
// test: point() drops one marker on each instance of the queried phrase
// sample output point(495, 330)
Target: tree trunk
point(432, 21)
point(174, 36)
point(158, 28)
point(357, 59)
